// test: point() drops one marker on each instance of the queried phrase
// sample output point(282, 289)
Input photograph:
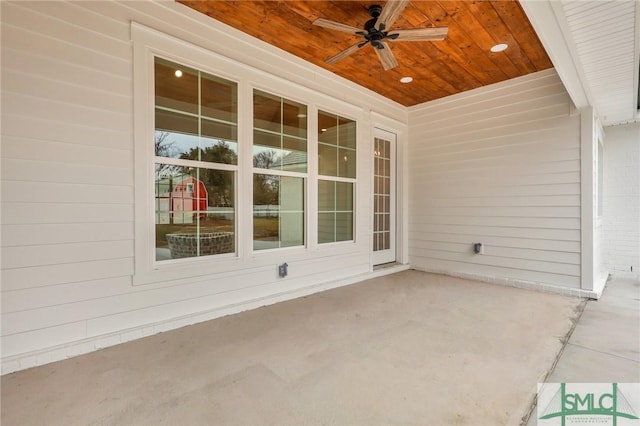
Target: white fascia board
point(636, 65)
point(549, 23)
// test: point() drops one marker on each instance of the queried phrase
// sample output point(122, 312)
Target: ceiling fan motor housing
point(373, 34)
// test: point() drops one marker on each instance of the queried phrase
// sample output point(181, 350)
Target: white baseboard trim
point(510, 282)
point(48, 355)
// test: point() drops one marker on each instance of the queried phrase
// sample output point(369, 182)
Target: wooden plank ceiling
point(461, 62)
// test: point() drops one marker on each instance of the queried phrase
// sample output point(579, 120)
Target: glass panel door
point(384, 197)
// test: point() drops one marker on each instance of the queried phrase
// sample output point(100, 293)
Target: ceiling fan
point(377, 32)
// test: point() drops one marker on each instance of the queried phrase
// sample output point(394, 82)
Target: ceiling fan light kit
point(377, 32)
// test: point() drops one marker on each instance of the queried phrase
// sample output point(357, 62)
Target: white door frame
point(384, 236)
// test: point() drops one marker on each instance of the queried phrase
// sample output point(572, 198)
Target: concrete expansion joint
point(579, 310)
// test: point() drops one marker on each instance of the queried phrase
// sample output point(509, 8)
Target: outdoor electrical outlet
point(478, 248)
point(282, 270)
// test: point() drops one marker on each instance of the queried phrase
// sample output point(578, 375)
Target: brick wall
point(621, 200)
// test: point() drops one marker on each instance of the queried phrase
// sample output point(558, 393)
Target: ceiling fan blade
point(386, 56)
point(390, 13)
point(321, 22)
point(419, 34)
point(346, 52)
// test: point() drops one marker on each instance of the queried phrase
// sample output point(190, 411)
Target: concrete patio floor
point(408, 348)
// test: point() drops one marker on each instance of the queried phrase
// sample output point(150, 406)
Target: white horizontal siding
point(53, 275)
point(41, 234)
point(56, 254)
point(620, 228)
point(68, 183)
point(499, 166)
point(39, 212)
point(66, 153)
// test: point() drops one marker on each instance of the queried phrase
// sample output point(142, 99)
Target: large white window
point(232, 164)
point(280, 170)
point(195, 163)
point(337, 177)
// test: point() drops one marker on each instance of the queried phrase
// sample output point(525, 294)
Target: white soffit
point(605, 36)
point(593, 45)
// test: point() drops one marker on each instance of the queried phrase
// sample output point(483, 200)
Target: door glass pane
point(382, 195)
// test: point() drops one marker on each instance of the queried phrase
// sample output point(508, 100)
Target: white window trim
point(354, 181)
point(148, 43)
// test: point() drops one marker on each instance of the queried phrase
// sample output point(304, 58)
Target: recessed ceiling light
point(406, 80)
point(302, 115)
point(499, 48)
point(178, 73)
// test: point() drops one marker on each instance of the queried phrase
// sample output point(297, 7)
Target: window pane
point(344, 196)
point(267, 158)
point(335, 211)
point(327, 127)
point(172, 143)
point(177, 93)
point(267, 111)
point(327, 160)
point(266, 139)
point(195, 212)
point(326, 196)
point(344, 226)
point(278, 211)
point(176, 122)
point(219, 98)
point(294, 118)
point(326, 228)
point(347, 133)
point(346, 163)
point(181, 130)
point(192, 147)
point(220, 131)
point(209, 150)
point(295, 155)
point(279, 134)
point(337, 145)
